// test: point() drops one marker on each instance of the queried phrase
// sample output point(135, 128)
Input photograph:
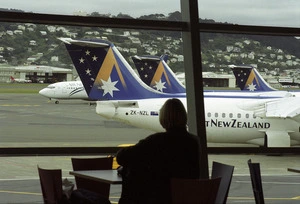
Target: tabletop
point(105, 176)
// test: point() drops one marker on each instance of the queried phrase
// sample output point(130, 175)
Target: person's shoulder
point(155, 135)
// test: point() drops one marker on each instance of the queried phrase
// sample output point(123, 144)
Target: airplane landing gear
point(56, 102)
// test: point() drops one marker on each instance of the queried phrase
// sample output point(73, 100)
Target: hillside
point(38, 44)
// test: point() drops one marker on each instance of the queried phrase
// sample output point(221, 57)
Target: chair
point(99, 163)
point(51, 185)
point(256, 182)
point(192, 191)
point(225, 172)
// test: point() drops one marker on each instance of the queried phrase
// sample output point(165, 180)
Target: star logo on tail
point(251, 87)
point(160, 85)
point(109, 87)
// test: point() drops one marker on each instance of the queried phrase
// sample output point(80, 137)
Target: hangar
point(211, 79)
point(35, 73)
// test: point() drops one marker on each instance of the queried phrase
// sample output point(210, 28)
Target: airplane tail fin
point(248, 78)
point(156, 73)
point(104, 72)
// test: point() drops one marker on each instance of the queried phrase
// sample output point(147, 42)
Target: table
point(104, 176)
point(294, 170)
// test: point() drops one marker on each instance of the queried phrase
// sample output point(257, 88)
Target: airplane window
point(247, 115)
point(230, 115)
point(51, 87)
point(216, 115)
point(223, 115)
point(209, 115)
point(254, 116)
point(239, 115)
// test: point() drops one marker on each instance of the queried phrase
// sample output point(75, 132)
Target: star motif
point(109, 86)
point(87, 52)
point(81, 60)
point(88, 71)
point(145, 76)
point(95, 58)
point(142, 68)
point(160, 85)
point(251, 87)
point(150, 67)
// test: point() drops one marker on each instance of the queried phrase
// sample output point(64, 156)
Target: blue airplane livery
point(248, 78)
point(156, 73)
point(104, 73)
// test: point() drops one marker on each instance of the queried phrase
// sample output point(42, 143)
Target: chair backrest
point(225, 172)
point(99, 163)
point(51, 185)
point(255, 176)
point(194, 191)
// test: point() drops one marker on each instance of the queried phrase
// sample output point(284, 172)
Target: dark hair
point(173, 114)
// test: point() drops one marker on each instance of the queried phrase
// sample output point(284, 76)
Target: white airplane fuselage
point(227, 120)
point(65, 90)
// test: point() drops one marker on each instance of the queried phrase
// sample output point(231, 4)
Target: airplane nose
point(44, 92)
point(41, 91)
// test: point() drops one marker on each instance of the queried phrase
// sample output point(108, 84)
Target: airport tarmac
point(29, 120)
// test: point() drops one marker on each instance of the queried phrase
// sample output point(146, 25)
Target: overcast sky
point(254, 12)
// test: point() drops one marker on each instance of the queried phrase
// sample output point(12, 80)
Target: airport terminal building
point(35, 73)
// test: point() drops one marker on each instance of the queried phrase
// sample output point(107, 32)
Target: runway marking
point(252, 198)
point(268, 182)
point(18, 192)
point(114, 197)
point(19, 105)
point(125, 145)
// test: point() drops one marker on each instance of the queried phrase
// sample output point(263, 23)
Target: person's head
point(173, 114)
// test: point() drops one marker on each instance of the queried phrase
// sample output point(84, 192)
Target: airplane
point(247, 76)
point(65, 90)
point(150, 69)
point(12, 80)
point(249, 79)
point(156, 73)
point(269, 119)
point(153, 70)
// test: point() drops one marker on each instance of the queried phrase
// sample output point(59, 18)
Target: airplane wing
point(284, 108)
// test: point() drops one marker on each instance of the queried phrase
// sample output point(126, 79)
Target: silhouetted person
point(149, 165)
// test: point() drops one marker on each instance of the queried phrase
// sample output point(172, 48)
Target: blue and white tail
point(105, 74)
point(248, 78)
point(156, 73)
